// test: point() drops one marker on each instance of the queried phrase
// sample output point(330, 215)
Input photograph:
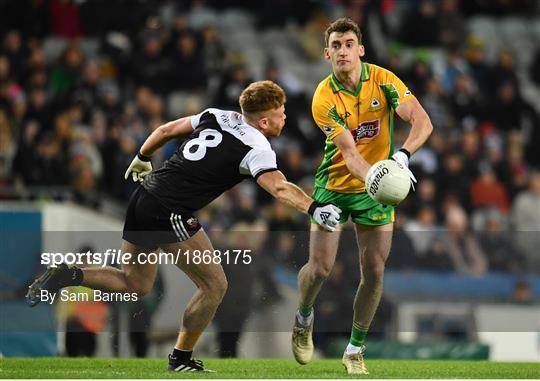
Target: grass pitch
point(61, 367)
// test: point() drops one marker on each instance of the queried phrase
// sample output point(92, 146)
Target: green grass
point(60, 367)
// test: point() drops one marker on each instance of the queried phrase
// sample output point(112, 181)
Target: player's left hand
point(326, 215)
point(402, 157)
point(139, 168)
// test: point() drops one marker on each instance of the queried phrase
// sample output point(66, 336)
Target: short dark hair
point(260, 97)
point(343, 25)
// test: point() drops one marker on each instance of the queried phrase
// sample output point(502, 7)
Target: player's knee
point(215, 291)
point(373, 271)
point(321, 270)
point(221, 288)
point(138, 285)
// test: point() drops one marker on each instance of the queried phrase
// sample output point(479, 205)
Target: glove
point(402, 157)
point(326, 215)
point(139, 167)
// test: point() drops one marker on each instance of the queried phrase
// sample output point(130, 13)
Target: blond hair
point(261, 96)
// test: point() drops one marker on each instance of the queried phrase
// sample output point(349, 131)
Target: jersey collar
point(251, 128)
point(364, 76)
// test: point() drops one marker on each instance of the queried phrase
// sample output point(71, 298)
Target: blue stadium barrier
point(23, 331)
point(21, 241)
point(431, 284)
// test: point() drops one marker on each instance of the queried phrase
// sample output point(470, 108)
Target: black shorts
point(148, 223)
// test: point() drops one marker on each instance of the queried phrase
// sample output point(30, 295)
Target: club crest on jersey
point(375, 105)
point(328, 130)
point(366, 130)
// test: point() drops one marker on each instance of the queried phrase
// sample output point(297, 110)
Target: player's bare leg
point(374, 244)
point(323, 247)
point(322, 255)
point(211, 285)
point(133, 278)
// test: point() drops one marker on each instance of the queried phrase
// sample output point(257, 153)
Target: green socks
point(304, 316)
point(305, 311)
point(358, 335)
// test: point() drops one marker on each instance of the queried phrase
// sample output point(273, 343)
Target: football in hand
point(387, 182)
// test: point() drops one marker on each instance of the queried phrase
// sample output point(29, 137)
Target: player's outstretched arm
point(166, 132)
point(421, 127)
point(357, 165)
point(141, 164)
point(275, 183)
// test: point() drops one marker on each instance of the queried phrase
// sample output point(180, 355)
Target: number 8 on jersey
point(207, 139)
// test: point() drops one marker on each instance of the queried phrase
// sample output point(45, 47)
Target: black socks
point(67, 276)
point(179, 355)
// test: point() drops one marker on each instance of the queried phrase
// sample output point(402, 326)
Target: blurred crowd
point(83, 83)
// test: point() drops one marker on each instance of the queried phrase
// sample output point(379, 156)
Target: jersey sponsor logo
point(366, 130)
point(225, 119)
point(328, 130)
point(238, 129)
point(234, 124)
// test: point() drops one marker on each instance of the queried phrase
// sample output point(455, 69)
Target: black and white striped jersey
point(222, 151)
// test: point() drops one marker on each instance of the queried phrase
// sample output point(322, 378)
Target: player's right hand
point(402, 157)
point(139, 168)
point(327, 215)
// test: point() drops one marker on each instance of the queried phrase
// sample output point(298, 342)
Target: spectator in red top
point(65, 18)
point(487, 191)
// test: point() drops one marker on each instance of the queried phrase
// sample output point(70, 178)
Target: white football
point(387, 182)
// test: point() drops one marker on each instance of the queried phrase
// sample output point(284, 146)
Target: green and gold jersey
point(367, 114)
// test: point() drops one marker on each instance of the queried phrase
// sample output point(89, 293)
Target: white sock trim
point(304, 321)
point(352, 349)
point(183, 350)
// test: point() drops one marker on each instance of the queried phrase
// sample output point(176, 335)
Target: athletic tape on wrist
point(143, 157)
point(405, 152)
point(314, 205)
